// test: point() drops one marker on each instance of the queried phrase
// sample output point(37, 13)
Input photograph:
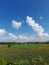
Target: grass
point(21, 46)
point(21, 54)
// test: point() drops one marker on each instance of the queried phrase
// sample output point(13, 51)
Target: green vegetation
point(24, 54)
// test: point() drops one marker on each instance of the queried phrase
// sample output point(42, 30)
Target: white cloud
point(9, 37)
point(6, 37)
point(16, 24)
point(23, 37)
point(40, 17)
point(40, 33)
point(35, 26)
point(12, 36)
point(2, 32)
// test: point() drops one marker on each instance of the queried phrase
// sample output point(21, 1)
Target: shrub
point(38, 61)
point(2, 62)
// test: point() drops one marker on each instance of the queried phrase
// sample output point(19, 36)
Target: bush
point(38, 61)
point(2, 62)
point(9, 45)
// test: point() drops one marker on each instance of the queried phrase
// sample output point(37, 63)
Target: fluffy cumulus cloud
point(35, 26)
point(6, 37)
point(16, 24)
point(23, 37)
point(41, 35)
point(12, 36)
point(2, 32)
point(26, 38)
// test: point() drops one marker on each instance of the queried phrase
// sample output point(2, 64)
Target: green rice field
point(24, 54)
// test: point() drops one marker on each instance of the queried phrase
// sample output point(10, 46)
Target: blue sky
point(17, 11)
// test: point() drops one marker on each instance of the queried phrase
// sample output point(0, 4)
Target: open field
point(34, 54)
